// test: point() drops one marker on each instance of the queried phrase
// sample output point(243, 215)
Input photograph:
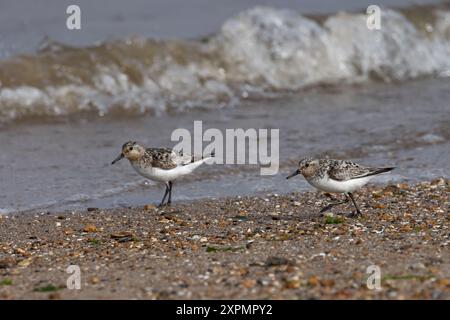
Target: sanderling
point(160, 164)
point(337, 176)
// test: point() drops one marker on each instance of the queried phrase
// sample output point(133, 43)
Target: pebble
point(90, 228)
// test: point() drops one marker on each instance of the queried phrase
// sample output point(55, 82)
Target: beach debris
point(123, 236)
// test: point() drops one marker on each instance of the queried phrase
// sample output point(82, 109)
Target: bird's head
point(130, 150)
point(306, 167)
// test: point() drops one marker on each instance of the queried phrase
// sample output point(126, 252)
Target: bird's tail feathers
point(197, 158)
point(380, 170)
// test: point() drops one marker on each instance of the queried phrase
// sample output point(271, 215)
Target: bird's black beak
point(120, 157)
point(293, 174)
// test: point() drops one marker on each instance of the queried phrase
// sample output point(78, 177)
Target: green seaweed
point(6, 282)
point(47, 288)
point(333, 220)
point(95, 242)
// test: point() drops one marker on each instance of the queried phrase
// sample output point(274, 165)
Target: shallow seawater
point(64, 163)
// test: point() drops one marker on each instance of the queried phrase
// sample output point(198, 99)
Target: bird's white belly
point(165, 175)
point(329, 185)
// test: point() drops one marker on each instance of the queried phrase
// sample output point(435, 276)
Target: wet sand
point(272, 247)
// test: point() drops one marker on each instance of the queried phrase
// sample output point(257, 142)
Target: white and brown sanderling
point(160, 164)
point(337, 176)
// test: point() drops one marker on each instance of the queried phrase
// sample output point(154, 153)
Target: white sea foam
point(259, 51)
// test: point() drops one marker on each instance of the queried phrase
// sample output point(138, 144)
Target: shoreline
point(271, 247)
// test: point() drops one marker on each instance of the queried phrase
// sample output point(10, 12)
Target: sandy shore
point(270, 247)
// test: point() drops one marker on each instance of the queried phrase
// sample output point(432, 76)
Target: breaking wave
point(259, 52)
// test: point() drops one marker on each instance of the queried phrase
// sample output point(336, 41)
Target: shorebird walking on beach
point(160, 164)
point(337, 176)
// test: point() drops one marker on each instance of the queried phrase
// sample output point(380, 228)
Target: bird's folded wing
point(349, 170)
point(163, 158)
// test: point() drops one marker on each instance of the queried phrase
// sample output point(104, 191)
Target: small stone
point(403, 186)
point(417, 266)
point(22, 252)
point(293, 282)
point(444, 282)
point(95, 280)
point(68, 232)
point(264, 281)
point(249, 283)
point(313, 281)
point(392, 294)
point(327, 282)
point(90, 228)
point(54, 296)
point(277, 261)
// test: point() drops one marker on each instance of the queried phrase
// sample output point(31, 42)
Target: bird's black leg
point(170, 193)
point(165, 195)
point(331, 205)
point(358, 212)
